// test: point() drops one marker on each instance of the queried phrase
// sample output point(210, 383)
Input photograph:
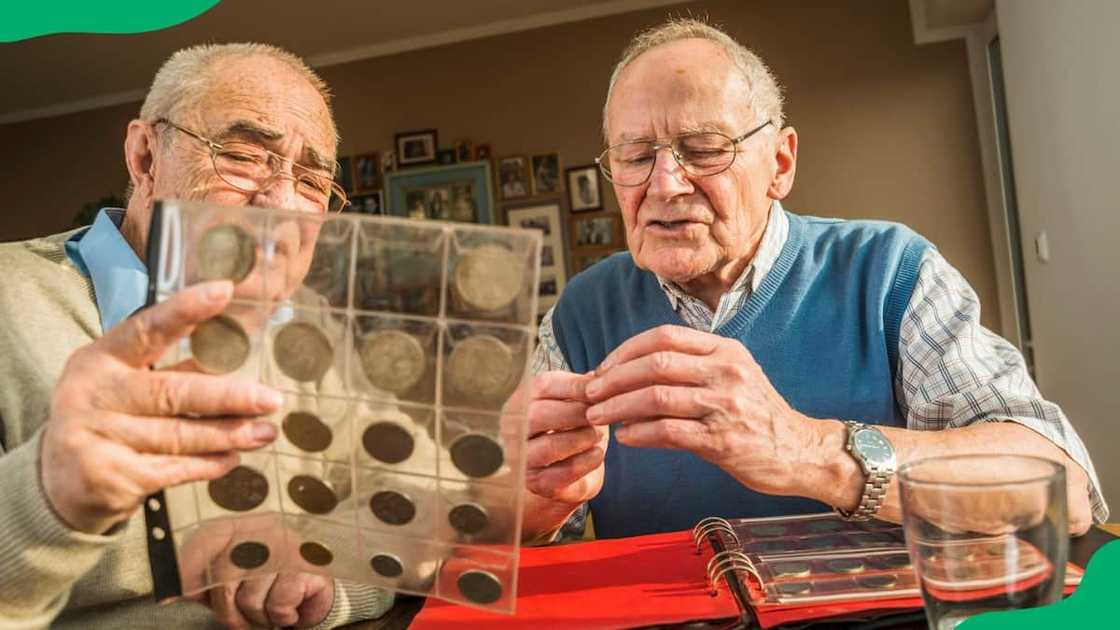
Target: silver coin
point(240, 490)
point(306, 431)
point(392, 507)
point(249, 555)
point(824, 526)
point(226, 252)
point(767, 531)
point(388, 442)
point(392, 360)
point(844, 565)
point(316, 554)
point(790, 569)
point(481, 587)
point(468, 518)
point(480, 367)
point(893, 562)
point(793, 588)
point(386, 565)
point(489, 277)
point(302, 352)
point(476, 455)
point(219, 345)
point(877, 581)
point(311, 494)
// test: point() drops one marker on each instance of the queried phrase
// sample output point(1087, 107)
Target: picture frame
point(545, 171)
point(367, 172)
point(547, 217)
point(604, 231)
point(459, 192)
point(512, 177)
point(584, 192)
point(416, 148)
point(368, 203)
point(344, 176)
point(447, 156)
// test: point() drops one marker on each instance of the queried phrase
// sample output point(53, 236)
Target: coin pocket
point(394, 358)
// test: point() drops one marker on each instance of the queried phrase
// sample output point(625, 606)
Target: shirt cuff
point(354, 601)
point(40, 556)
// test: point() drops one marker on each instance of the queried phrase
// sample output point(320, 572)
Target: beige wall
point(887, 127)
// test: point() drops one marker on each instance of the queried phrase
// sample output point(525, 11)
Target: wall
point(887, 127)
point(1062, 100)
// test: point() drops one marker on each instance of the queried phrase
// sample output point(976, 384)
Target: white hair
point(765, 94)
point(186, 77)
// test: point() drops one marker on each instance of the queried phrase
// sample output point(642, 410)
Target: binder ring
point(723, 557)
point(709, 525)
point(727, 565)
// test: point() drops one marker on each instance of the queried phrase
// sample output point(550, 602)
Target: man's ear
point(785, 155)
point(139, 156)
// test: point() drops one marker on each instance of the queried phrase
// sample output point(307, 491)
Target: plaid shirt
point(952, 371)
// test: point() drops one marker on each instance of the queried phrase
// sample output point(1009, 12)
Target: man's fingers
point(556, 415)
point(547, 481)
point(222, 602)
point(250, 600)
point(560, 386)
point(141, 339)
point(318, 599)
point(668, 337)
point(156, 472)
point(655, 401)
point(177, 436)
point(161, 393)
point(548, 449)
point(679, 433)
point(657, 368)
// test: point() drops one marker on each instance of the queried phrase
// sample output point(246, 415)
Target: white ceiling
point(59, 74)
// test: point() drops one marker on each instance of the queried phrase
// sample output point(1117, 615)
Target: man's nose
point(278, 193)
point(669, 178)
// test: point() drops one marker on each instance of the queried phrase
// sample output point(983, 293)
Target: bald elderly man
point(87, 429)
point(741, 360)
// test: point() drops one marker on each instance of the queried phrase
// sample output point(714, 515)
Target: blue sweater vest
point(823, 325)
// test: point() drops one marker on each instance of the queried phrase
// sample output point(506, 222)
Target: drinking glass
point(985, 532)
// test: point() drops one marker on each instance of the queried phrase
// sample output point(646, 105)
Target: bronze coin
point(392, 507)
point(392, 360)
point(306, 431)
point(219, 345)
point(480, 367)
point(481, 587)
point(468, 518)
point(239, 490)
point(249, 555)
point(302, 352)
point(386, 565)
point(877, 581)
point(489, 277)
point(226, 252)
point(789, 569)
point(476, 455)
point(316, 554)
point(792, 588)
point(387, 442)
point(312, 494)
point(844, 565)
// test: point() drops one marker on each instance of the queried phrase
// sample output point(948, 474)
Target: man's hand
point(674, 387)
point(279, 600)
point(118, 431)
point(564, 456)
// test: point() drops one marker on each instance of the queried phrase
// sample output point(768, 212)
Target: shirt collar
point(774, 238)
point(120, 279)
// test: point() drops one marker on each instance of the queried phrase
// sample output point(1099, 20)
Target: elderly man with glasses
point(741, 360)
point(88, 430)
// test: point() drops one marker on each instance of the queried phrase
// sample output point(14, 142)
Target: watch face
point(876, 450)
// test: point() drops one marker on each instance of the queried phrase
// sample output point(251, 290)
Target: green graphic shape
point(24, 19)
point(1092, 605)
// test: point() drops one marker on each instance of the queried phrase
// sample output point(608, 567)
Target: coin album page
point(398, 347)
point(823, 558)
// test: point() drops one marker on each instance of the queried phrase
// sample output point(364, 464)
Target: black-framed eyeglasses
point(251, 168)
point(701, 154)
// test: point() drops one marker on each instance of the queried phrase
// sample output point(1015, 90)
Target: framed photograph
point(603, 232)
point(367, 203)
point(460, 192)
point(464, 151)
point(482, 152)
point(345, 175)
point(584, 194)
point(581, 262)
point(367, 172)
point(447, 156)
point(547, 219)
point(546, 173)
point(513, 177)
point(414, 148)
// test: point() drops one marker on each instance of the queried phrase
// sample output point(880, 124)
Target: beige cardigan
point(51, 575)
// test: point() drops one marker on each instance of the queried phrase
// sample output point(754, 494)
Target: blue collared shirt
point(120, 279)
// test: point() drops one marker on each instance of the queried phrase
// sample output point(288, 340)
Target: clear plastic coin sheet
point(398, 347)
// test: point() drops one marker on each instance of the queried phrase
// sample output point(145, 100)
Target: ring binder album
point(711, 524)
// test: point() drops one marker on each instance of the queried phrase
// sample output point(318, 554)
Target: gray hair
point(185, 77)
point(765, 94)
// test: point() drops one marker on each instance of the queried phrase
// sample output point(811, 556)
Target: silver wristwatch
point(875, 455)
